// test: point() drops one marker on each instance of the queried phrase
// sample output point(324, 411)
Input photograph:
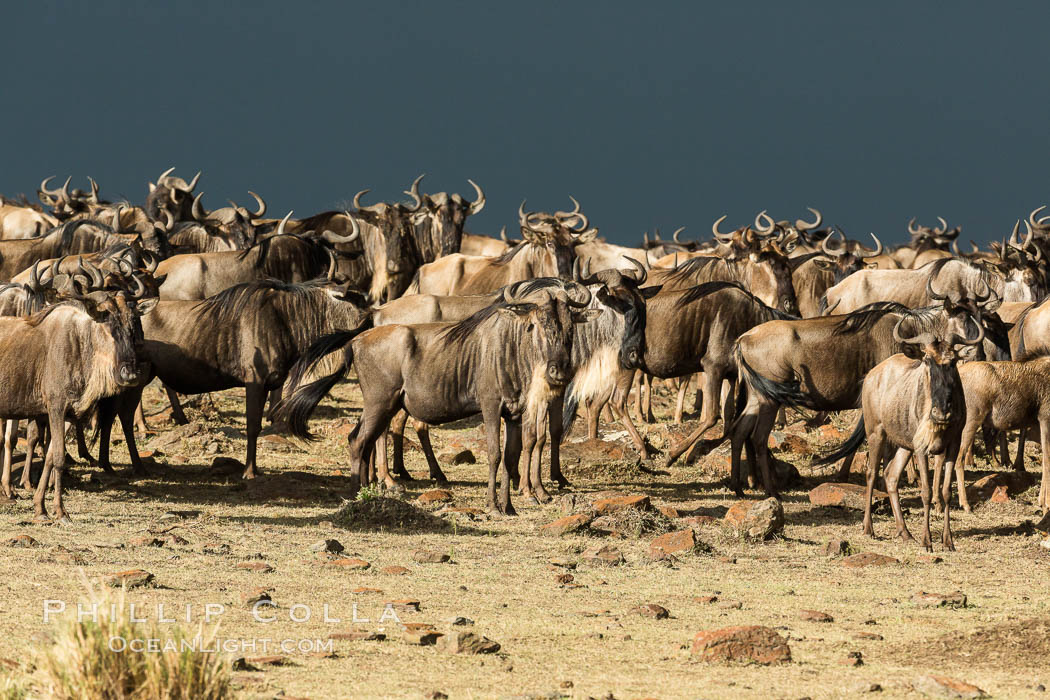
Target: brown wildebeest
point(20, 219)
point(248, 335)
point(929, 243)
point(60, 362)
point(913, 401)
point(819, 364)
point(78, 236)
point(502, 362)
point(477, 244)
point(547, 251)
point(283, 256)
point(812, 279)
point(172, 195)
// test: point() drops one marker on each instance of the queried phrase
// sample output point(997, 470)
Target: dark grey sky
point(651, 114)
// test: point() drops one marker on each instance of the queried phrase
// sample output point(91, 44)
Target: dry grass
point(500, 577)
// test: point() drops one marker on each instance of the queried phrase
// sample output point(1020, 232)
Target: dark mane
point(506, 256)
point(864, 318)
point(230, 304)
point(700, 291)
point(691, 268)
point(532, 286)
point(306, 252)
point(462, 330)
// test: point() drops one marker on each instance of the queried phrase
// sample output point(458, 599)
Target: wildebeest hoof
point(531, 499)
point(64, 520)
point(563, 483)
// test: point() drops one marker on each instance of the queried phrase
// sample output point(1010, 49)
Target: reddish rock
point(680, 542)
point(172, 538)
point(435, 496)
point(348, 563)
point(747, 644)
point(365, 589)
point(852, 496)
point(274, 660)
point(24, 541)
point(836, 548)
point(1012, 483)
point(863, 559)
point(668, 511)
point(462, 457)
point(756, 520)
point(564, 578)
point(789, 443)
point(616, 504)
point(216, 548)
point(854, 658)
point(604, 555)
point(328, 546)
point(1000, 495)
point(406, 604)
point(829, 432)
point(929, 559)
point(731, 604)
point(358, 636)
point(815, 616)
point(260, 567)
point(460, 642)
point(868, 636)
point(939, 600)
point(944, 687)
point(131, 578)
point(424, 556)
point(567, 524)
point(256, 595)
point(395, 570)
point(699, 520)
point(705, 599)
point(657, 612)
point(422, 637)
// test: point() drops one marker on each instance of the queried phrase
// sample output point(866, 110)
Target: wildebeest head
point(559, 232)
point(932, 237)
point(1021, 265)
point(770, 250)
point(844, 260)
point(439, 222)
point(550, 316)
point(939, 357)
point(119, 314)
point(393, 273)
point(620, 292)
point(65, 203)
point(172, 194)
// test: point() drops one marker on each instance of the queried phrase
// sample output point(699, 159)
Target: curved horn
point(34, 275)
point(521, 212)
point(503, 234)
point(767, 229)
point(1012, 240)
point(164, 175)
point(53, 193)
point(806, 226)
point(912, 228)
point(724, 237)
point(262, 206)
point(569, 214)
point(140, 289)
point(193, 183)
point(582, 272)
point(284, 222)
point(944, 225)
point(151, 261)
point(198, 209)
point(832, 251)
point(1037, 254)
point(93, 198)
point(64, 192)
point(582, 224)
point(641, 275)
point(1035, 213)
point(920, 339)
point(585, 302)
point(478, 204)
point(357, 198)
point(677, 232)
point(413, 192)
point(932, 294)
point(878, 248)
point(355, 232)
point(956, 340)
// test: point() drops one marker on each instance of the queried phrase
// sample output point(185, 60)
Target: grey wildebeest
point(547, 251)
point(913, 401)
point(60, 362)
point(501, 362)
point(819, 364)
point(248, 335)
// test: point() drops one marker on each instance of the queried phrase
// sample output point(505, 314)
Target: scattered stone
point(180, 514)
point(464, 457)
point(216, 548)
point(700, 520)
point(868, 636)
point(435, 695)
point(843, 495)
point(727, 560)
point(1006, 484)
point(748, 644)
point(366, 589)
point(944, 687)
point(434, 496)
point(132, 578)
point(405, 604)
point(146, 541)
point(731, 604)
point(256, 595)
point(862, 559)
point(680, 542)
point(616, 504)
point(836, 548)
point(938, 600)
point(423, 556)
point(929, 559)
point(423, 637)
point(756, 520)
point(705, 599)
point(816, 616)
point(572, 503)
point(1000, 495)
point(357, 636)
point(22, 541)
point(275, 660)
point(172, 538)
point(604, 555)
point(564, 578)
point(260, 567)
point(459, 621)
point(868, 688)
point(328, 546)
point(239, 663)
point(395, 570)
point(563, 562)
point(657, 612)
point(67, 556)
point(461, 642)
point(327, 524)
point(567, 524)
point(854, 658)
point(669, 511)
point(348, 563)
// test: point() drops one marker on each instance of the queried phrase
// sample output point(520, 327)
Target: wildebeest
point(248, 335)
point(60, 362)
point(78, 236)
point(913, 401)
point(812, 279)
point(171, 194)
point(476, 244)
point(20, 219)
point(501, 362)
point(547, 251)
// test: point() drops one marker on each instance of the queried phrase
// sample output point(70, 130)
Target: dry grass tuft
point(379, 513)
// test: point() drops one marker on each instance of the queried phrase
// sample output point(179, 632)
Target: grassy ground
point(557, 640)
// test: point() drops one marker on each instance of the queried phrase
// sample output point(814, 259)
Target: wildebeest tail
point(847, 448)
point(784, 393)
point(571, 405)
point(297, 407)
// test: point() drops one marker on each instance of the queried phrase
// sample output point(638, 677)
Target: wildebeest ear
point(585, 316)
point(159, 279)
point(913, 351)
point(144, 306)
point(872, 266)
point(650, 292)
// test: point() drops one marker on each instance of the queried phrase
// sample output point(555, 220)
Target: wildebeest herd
point(438, 324)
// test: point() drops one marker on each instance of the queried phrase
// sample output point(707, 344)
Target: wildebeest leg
point(781, 419)
point(54, 462)
point(594, 412)
point(1021, 438)
point(924, 492)
point(636, 379)
point(177, 413)
point(679, 406)
point(140, 419)
point(847, 464)
point(893, 475)
point(254, 402)
point(10, 431)
point(528, 446)
point(946, 492)
point(876, 440)
point(491, 415)
point(912, 476)
point(647, 406)
point(708, 415)
point(969, 433)
point(935, 488)
point(381, 475)
point(1044, 444)
point(423, 433)
point(126, 405)
point(511, 456)
point(33, 435)
point(555, 412)
point(740, 435)
point(375, 419)
point(107, 411)
point(397, 442)
point(82, 449)
point(760, 442)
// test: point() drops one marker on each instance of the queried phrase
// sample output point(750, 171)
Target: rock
point(840, 495)
point(358, 636)
point(938, 600)
point(862, 559)
point(567, 524)
point(668, 511)
point(460, 621)
point(422, 637)
point(146, 541)
point(434, 496)
point(172, 538)
point(700, 520)
point(395, 570)
point(274, 660)
point(854, 658)
point(181, 514)
point(679, 542)
point(705, 599)
point(216, 548)
point(944, 687)
point(786, 474)
point(616, 504)
point(67, 556)
point(405, 604)
point(730, 604)
point(23, 541)
point(463, 457)
point(727, 560)
point(830, 433)
point(928, 559)
point(836, 548)
point(656, 612)
point(327, 546)
point(348, 563)
point(756, 520)
point(1005, 484)
point(868, 636)
point(260, 567)
point(747, 644)
point(815, 616)
point(1043, 525)
point(461, 642)
point(256, 595)
point(572, 503)
point(1000, 495)
point(435, 695)
point(423, 556)
point(132, 578)
point(563, 562)
point(604, 555)
point(564, 578)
